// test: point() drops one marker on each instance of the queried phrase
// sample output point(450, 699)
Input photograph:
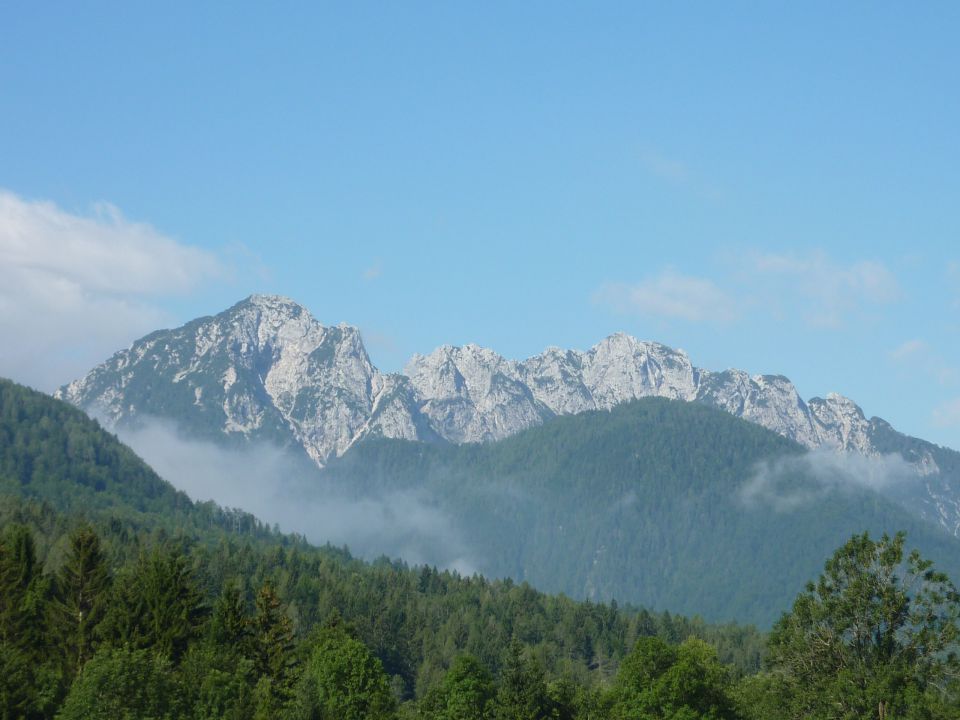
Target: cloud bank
point(74, 288)
point(270, 483)
point(795, 481)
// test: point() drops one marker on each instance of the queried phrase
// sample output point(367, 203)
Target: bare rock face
point(265, 369)
point(472, 394)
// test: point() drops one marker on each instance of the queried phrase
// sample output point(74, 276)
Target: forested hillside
point(122, 599)
point(647, 503)
point(51, 451)
point(164, 567)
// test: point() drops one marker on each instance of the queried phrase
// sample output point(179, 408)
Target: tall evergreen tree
point(20, 590)
point(523, 688)
point(156, 605)
point(229, 624)
point(82, 588)
point(273, 656)
point(29, 684)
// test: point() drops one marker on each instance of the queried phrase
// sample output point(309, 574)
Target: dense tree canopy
point(876, 636)
point(122, 604)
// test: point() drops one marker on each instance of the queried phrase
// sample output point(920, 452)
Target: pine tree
point(82, 588)
point(274, 658)
point(229, 625)
point(19, 578)
point(523, 689)
point(156, 605)
point(26, 685)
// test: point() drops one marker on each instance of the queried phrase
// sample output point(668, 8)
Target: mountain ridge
point(266, 369)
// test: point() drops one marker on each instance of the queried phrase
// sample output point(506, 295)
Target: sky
point(769, 186)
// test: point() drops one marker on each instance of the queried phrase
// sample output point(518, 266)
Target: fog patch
point(787, 483)
point(278, 488)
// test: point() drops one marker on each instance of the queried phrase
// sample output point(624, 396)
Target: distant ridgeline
point(662, 503)
point(647, 503)
point(266, 371)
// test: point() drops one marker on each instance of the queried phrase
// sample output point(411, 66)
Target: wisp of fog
point(269, 482)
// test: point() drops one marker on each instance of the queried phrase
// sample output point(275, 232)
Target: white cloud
point(829, 292)
point(74, 288)
point(671, 295)
point(267, 481)
point(787, 483)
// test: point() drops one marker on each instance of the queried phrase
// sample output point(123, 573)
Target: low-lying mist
point(271, 483)
point(790, 482)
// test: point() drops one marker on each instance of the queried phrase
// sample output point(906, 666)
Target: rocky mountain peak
point(266, 369)
point(266, 365)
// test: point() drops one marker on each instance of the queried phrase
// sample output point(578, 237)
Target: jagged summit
point(267, 369)
point(266, 366)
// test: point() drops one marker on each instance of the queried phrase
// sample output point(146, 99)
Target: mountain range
point(267, 370)
point(664, 503)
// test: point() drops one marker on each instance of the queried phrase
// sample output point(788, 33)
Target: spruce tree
point(156, 605)
point(523, 688)
point(82, 588)
point(274, 659)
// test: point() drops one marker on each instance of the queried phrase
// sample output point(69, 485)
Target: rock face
point(471, 394)
point(266, 369)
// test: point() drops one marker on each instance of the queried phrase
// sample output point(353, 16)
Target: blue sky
point(769, 187)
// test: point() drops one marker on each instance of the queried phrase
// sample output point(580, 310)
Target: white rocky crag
point(266, 370)
point(471, 394)
point(262, 369)
point(266, 367)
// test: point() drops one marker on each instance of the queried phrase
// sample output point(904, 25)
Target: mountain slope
point(648, 503)
point(266, 370)
point(53, 453)
point(645, 503)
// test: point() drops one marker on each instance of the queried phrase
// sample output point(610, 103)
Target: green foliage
point(123, 684)
point(872, 638)
point(661, 682)
point(642, 504)
point(344, 681)
point(273, 647)
point(21, 590)
point(156, 605)
point(82, 588)
point(51, 451)
point(523, 688)
point(466, 693)
point(217, 682)
point(445, 646)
